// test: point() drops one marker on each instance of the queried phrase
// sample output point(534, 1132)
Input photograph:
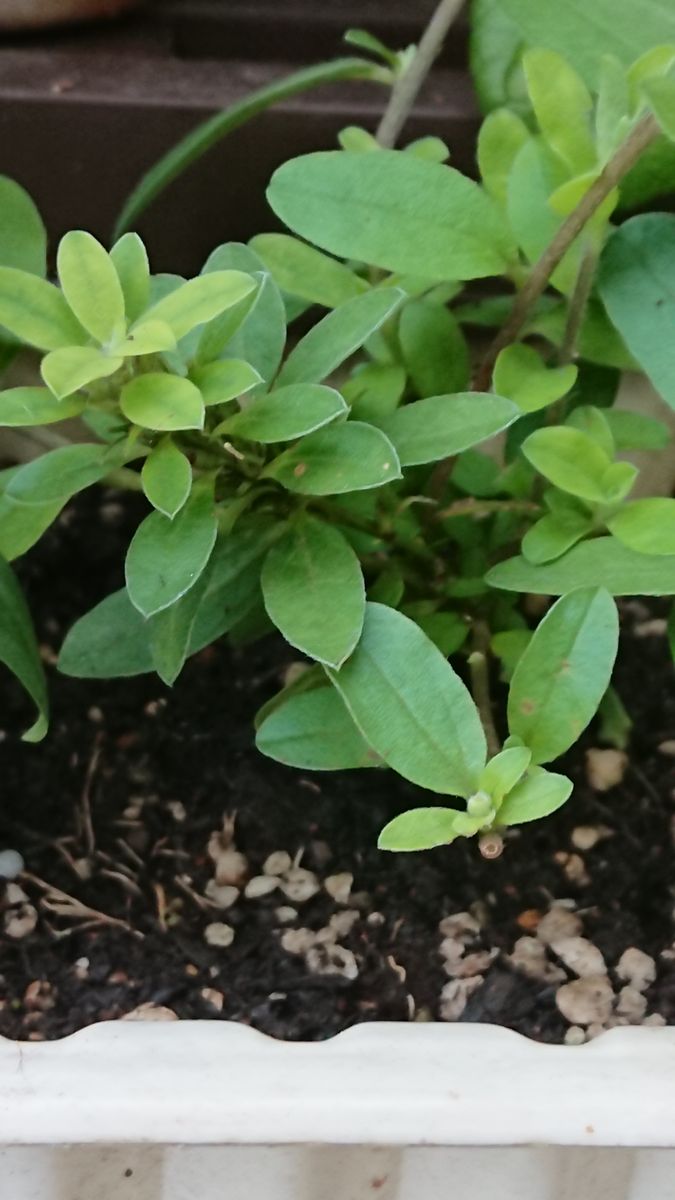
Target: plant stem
point(578, 305)
point(480, 685)
point(470, 507)
point(628, 153)
point(407, 87)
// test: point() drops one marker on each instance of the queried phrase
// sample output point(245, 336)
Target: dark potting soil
point(115, 812)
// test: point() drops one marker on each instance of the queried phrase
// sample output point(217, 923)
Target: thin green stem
point(577, 307)
point(480, 684)
point(408, 85)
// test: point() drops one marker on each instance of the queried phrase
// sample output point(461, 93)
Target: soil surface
point(124, 814)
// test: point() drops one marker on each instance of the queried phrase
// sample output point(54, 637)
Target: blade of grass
point(206, 135)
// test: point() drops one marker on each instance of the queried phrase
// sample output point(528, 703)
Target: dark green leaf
point(314, 591)
point(410, 705)
point(287, 413)
point(23, 238)
point(434, 350)
point(167, 478)
point(19, 649)
point(254, 330)
point(439, 426)
point(338, 336)
point(313, 731)
point(166, 558)
point(59, 474)
point(341, 458)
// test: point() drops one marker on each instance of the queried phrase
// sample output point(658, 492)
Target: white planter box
point(215, 1111)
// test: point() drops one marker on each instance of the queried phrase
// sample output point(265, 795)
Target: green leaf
point(601, 562)
point(563, 106)
point(499, 139)
point(434, 428)
point(583, 33)
point(304, 271)
point(207, 134)
point(374, 391)
point(341, 458)
point(314, 591)
point(614, 723)
point(225, 380)
point(496, 46)
point(254, 330)
point(111, 641)
point(502, 773)
point(166, 558)
point(36, 312)
point(149, 337)
point(564, 673)
point(66, 371)
point(200, 300)
point(431, 149)
point(162, 402)
point(448, 631)
point(91, 285)
point(637, 284)
point(646, 525)
point(130, 260)
point(535, 174)
point(393, 211)
point(593, 422)
point(19, 650)
point(171, 632)
point(25, 406)
point(286, 413)
point(552, 535)
point(569, 459)
point(410, 705)
point(23, 238)
point(634, 431)
point(59, 474)
point(338, 336)
point(434, 350)
point(613, 106)
point(539, 795)
point(425, 828)
point(22, 525)
point(313, 731)
point(521, 375)
point(167, 478)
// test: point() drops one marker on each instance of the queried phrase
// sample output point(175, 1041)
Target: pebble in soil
point(202, 880)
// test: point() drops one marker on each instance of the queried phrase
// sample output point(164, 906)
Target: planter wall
point(30, 14)
point(84, 113)
point(203, 1111)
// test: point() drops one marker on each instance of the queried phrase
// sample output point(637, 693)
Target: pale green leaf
point(646, 525)
point(500, 137)
point(130, 260)
point(36, 312)
point(313, 731)
point(285, 414)
point(540, 794)
point(162, 402)
point(91, 285)
point(521, 375)
point(66, 371)
point(304, 271)
point(569, 459)
point(200, 300)
point(225, 380)
point(167, 478)
point(601, 562)
point(562, 105)
point(425, 828)
point(501, 773)
point(149, 337)
point(338, 336)
point(25, 406)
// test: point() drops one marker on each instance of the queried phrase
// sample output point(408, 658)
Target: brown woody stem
point(407, 87)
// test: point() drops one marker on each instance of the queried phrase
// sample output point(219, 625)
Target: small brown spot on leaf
point(527, 708)
point(299, 470)
point(378, 1183)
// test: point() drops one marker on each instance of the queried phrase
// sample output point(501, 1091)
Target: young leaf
point(569, 459)
point(660, 93)
point(59, 474)
point(434, 350)
point(552, 535)
point(162, 402)
point(635, 431)
point(338, 336)
point(23, 238)
point(25, 406)
point(646, 525)
point(374, 391)
point(286, 413)
point(149, 337)
point(304, 271)
point(593, 422)
point(540, 794)
point(521, 375)
point(501, 773)
point(534, 176)
point(410, 705)
point(166, 558)
point(500, 137)
point(342, 458)
point(66, 371)
point(91, 285)
point(254, 330)
point(562, 105)
point(200, 300)
point(637, 284)
point(393, 211)
point(19, 649)
point(314, 591)
point(425, 828)
point(439, 426)
point(36, 312)
point(222, 381)
point(601, 562)
point(167, 478)
point(130, 260)
point(313, 731)
point(564, 673)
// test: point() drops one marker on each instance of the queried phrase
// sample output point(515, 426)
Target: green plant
point(329, 484)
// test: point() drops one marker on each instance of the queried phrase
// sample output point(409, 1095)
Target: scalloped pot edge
point(215, 1111)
